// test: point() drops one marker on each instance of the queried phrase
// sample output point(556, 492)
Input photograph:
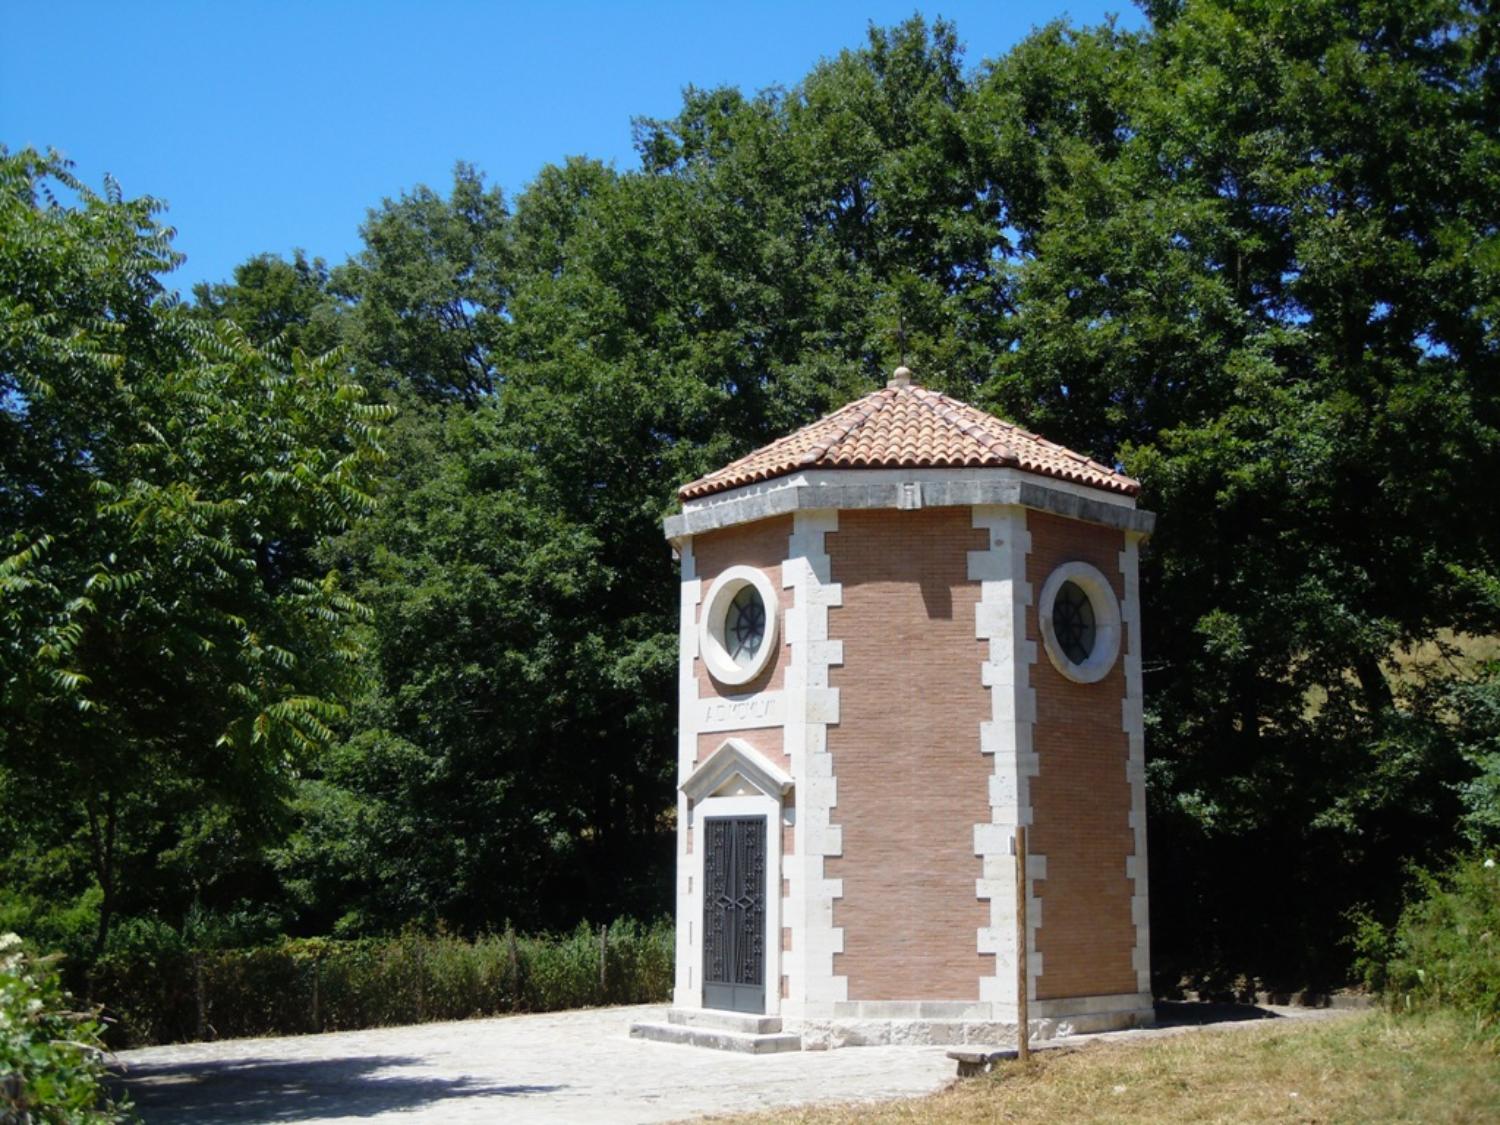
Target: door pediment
point(730, 767)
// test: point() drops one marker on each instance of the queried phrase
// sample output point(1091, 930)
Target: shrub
point(51, 1061)
point(163, 995)
point(1444, 952)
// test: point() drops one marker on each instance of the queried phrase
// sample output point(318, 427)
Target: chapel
point(908, 629)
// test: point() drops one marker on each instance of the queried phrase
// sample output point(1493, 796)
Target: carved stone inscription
point(743, 712)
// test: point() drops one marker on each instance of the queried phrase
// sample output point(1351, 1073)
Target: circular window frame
point(716, 602)
point(1107, 624)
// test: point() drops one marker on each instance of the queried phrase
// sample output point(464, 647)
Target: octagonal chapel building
point(907, 629)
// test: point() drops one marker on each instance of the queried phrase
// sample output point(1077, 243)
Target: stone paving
point(563, 1067)
point(576, 1066)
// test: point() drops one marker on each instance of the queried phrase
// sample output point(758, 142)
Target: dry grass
point(1363, 1068)
point(1451, 654)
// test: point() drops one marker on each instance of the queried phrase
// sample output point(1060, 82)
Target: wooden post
point(515, 968)
point(202, 1003)
point(603, 954)
point(1023, 974)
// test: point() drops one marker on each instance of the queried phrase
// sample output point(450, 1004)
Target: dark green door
point(734, 913)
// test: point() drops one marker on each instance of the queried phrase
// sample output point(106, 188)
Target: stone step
point(744, 1022)
point(716, 1038)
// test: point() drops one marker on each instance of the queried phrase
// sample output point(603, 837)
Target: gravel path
point(562, 1067)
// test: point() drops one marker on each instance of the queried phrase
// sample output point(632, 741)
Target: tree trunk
point(1377, 689)
point(102, 849)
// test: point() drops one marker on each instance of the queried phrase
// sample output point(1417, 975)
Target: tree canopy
point(1250, 254)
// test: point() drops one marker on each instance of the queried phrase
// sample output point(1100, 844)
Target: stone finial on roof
point(901, 377)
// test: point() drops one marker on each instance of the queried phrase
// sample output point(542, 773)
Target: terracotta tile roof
point(909, 427)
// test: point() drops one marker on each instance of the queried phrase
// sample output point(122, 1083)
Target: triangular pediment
point(734, 764)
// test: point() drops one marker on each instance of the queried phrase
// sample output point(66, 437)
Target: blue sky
point(272, 125)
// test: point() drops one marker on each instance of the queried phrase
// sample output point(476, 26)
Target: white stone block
point(823, 705)
point(1004, 790)
point(997, 738)
point(821, 789)
point(794, 625)
point(993, 620)
point(1006, 814)
point(993, 990)
point(999, 866)
point(991, 838)
point(985, 566)
point(826, 652)
point(990, 889)
point(826, 841)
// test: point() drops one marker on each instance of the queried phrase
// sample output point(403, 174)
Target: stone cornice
point(837, 493)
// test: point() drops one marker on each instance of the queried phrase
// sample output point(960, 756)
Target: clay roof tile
point(907, 426)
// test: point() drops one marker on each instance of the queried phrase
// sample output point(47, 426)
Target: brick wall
point(762, 545)
point(912, 782)
point(1081, 799)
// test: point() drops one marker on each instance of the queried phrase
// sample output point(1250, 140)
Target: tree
point(429, 290)
point(1264, 278)
point(273, 300)
point(162, 484)
point(1249, 254)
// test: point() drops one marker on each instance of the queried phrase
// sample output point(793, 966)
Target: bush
point(323, 984)
point(1444, 952)
point(51, 1061)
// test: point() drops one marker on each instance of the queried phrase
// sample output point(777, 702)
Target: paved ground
point(562, 1067)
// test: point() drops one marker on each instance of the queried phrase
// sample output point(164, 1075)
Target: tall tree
point(1264, 276)
point(160, 485)
point(429, 290)
point(272, 299)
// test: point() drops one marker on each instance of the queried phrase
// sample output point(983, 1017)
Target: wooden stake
point(198, 995)
point(1023, 982)
point(603, 959)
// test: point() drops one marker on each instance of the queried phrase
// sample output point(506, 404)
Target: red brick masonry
point(912, 782)
point(1081, 799)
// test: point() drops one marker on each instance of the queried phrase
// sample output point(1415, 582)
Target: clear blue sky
point(273, 125)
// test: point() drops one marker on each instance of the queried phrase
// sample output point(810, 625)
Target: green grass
point(1370, 1067)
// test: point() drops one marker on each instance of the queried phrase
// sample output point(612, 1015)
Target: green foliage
point(1475, 705)
point(168, 648)
point(52, 1062)
point(274, 301)
point(1257, 272)
point(428, 288)
point(1444, 952)
point(321, 984)
point(1248, 254)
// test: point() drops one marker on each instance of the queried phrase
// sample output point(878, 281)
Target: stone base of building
point(721, 1031)
point(818, 1035)
point(893, 1023)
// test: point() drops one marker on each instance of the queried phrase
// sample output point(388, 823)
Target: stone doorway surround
point(735, 780)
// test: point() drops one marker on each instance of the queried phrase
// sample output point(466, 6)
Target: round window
point(745, 626)
point(1080, 621)
point(737, 628)
point(1073, 622)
